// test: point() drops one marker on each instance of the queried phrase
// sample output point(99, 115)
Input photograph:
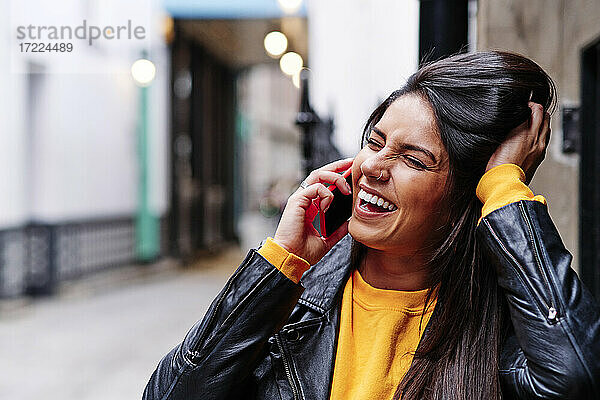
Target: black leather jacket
point(265, 337)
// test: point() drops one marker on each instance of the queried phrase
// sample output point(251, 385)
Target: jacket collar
point(324, 281)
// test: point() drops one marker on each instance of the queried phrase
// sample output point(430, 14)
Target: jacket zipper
point(551, 310)
point(287, 368)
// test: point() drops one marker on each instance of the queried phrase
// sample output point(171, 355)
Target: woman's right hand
point(295, 231)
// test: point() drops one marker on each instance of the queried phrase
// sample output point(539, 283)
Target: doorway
point(203, 127)
point(589, 226)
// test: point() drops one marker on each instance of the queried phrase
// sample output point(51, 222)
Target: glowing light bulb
point(143, 72)
point(290, 6)
point(275, 43)
point(291, 63)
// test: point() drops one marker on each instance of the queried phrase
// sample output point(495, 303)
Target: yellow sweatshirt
point(380, 329)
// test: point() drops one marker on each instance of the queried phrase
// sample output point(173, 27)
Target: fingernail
point(349, 188)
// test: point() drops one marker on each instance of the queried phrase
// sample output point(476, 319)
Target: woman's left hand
point(525, 145)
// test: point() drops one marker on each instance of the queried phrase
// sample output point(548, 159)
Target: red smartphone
point(339, 210)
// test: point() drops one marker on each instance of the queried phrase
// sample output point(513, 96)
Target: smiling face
point(406, 153)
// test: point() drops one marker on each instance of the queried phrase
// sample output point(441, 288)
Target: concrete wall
point(553, 33)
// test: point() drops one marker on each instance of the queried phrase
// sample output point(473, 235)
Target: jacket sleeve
point(556, 320)
point(221, 350)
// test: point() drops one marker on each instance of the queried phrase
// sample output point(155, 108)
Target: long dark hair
point(477, 99)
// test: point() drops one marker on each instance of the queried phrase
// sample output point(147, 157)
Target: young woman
point(430, 295)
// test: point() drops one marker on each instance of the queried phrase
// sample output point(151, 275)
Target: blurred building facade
point(235, 146)
point(563, 36)
point(69, 173)
point(221, 153)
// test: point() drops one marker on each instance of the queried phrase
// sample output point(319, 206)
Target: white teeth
point(370, 198)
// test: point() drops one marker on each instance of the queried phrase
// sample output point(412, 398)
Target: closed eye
point(374, 143)
point(415, 162)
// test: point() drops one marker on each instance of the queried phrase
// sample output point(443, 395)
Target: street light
point(291, 63)
point(290, 6)
point(143, 72)
point(147, 226)
point(275, 43)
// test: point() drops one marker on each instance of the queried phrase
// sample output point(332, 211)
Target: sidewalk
point(101, 339)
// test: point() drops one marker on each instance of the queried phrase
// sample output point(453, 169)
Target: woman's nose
point(373, 167)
